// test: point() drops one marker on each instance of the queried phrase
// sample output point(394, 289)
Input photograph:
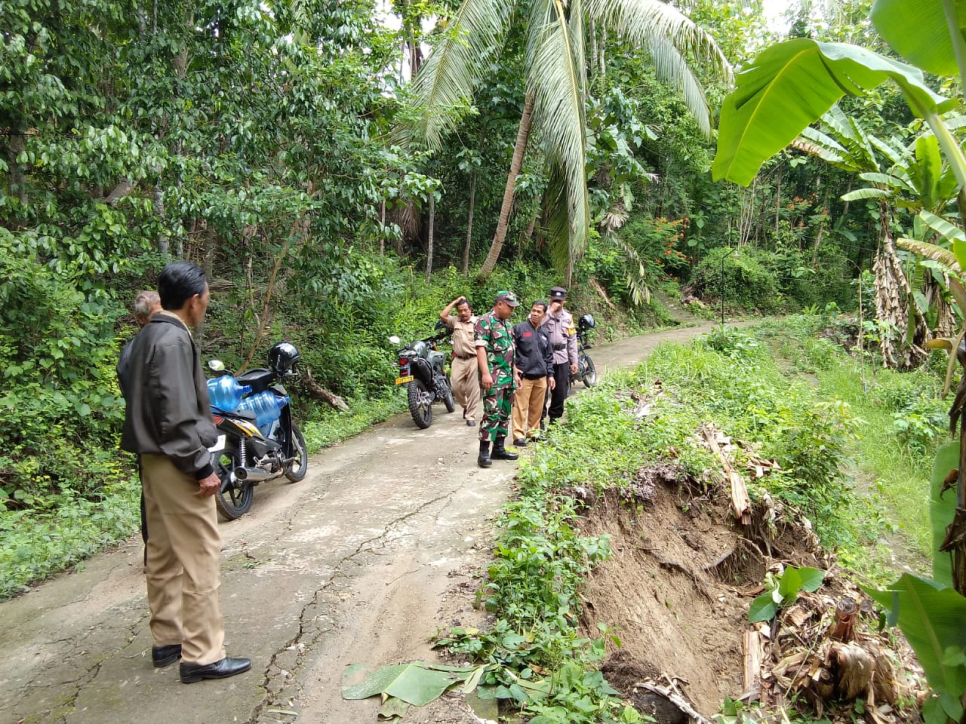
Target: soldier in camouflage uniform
point(494, 354)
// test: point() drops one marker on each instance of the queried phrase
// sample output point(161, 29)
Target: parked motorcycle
point(258, 439)
point(422, 369)
point(586, 372)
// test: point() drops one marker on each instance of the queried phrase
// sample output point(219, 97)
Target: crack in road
point(295, 644)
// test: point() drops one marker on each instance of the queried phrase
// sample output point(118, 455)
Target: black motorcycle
point(422, 368)
point(586, 372)
point(258, 439)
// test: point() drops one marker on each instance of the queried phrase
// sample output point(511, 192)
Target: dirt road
point(352, 565)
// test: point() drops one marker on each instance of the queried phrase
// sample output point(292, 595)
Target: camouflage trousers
point(497, 406)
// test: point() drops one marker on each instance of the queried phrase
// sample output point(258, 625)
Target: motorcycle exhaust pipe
point(253, 475)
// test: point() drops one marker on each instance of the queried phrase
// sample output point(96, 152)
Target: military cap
point(508, 297)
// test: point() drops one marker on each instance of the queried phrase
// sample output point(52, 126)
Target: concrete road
point(358, 563)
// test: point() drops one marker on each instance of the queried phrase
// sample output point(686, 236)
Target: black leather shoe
point(165, 655)
point(190, 673)
point(471, 423)
point(520, 442)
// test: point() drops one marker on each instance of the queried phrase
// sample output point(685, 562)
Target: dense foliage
point(262, 141)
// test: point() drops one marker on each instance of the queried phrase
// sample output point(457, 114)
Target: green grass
point(901, 424)
point(36, 544)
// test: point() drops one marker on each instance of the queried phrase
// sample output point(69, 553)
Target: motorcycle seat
point(243, 414)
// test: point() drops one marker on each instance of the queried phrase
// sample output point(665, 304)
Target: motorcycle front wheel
point(420, 404)
point(295, 470)
point(232, 502)
point(589, 375)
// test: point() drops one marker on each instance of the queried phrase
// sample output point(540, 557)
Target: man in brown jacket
point(168, 423)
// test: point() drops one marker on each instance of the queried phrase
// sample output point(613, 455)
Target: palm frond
point(634, 275)
point(672, 39)
point(672, 68)
point(446, 80)
point(950, 232)
point(892, 153)
point(890, 180)
point(931, 251)
point(860, 194)
point(816, 143)
point(556, 77)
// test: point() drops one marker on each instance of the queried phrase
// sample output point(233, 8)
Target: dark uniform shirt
point(534, 355)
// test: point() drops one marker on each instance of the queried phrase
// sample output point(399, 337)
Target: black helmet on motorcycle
point(586, 322)
point(282, 358)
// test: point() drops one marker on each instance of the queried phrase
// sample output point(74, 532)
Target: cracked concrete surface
point(352, 565)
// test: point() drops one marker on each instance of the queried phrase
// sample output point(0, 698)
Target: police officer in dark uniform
point(559, 327)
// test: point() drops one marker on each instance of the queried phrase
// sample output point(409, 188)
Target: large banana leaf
point(931, 617)
point(919, 32)
point(789, 86)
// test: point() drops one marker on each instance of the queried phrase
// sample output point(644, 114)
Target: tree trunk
point(515, 165)
point(778, 198)
point(601, 56)
point(469, 225)
point(18, 179)
point(592, 36)
point(429, 241)
point(382, 228)
point(893, 303)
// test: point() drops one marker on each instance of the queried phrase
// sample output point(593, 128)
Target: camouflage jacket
point(496, 336)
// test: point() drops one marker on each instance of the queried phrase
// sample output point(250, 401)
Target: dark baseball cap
point(558, 294)
point(508, 297)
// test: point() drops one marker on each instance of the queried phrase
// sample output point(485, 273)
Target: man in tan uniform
point(464, 373)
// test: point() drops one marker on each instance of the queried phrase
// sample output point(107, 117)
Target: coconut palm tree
point(556, 87)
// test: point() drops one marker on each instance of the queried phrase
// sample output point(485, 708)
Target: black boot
point(501, 453)
point(484, 460)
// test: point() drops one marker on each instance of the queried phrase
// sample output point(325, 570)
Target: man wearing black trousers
point(559, 326)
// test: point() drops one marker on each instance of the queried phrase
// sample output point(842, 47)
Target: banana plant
point(787, 88)
point(847, 146)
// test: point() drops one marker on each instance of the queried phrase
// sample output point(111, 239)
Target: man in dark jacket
point(534, 374)
point(168, 423)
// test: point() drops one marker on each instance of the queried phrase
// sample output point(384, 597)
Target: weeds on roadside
point(634, 419)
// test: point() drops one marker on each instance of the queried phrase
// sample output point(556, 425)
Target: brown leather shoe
point(165, 655)
point(190, 673)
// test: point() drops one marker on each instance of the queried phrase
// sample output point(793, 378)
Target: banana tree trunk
point(894, 302)
point(523, 133)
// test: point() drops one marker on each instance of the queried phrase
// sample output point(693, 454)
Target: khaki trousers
point(465, 376)
point(528, 407)
point(182, 570)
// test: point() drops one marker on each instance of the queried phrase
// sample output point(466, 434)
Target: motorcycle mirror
point(394, 339)
point(216, 364)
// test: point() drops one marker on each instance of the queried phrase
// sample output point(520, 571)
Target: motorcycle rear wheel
point(446, 393)
point(232, 502)
point(296, 470)
point(589, 375)
point(420, 404)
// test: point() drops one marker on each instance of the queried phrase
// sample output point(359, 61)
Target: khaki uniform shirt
point(464, 342)
point(563, 336)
